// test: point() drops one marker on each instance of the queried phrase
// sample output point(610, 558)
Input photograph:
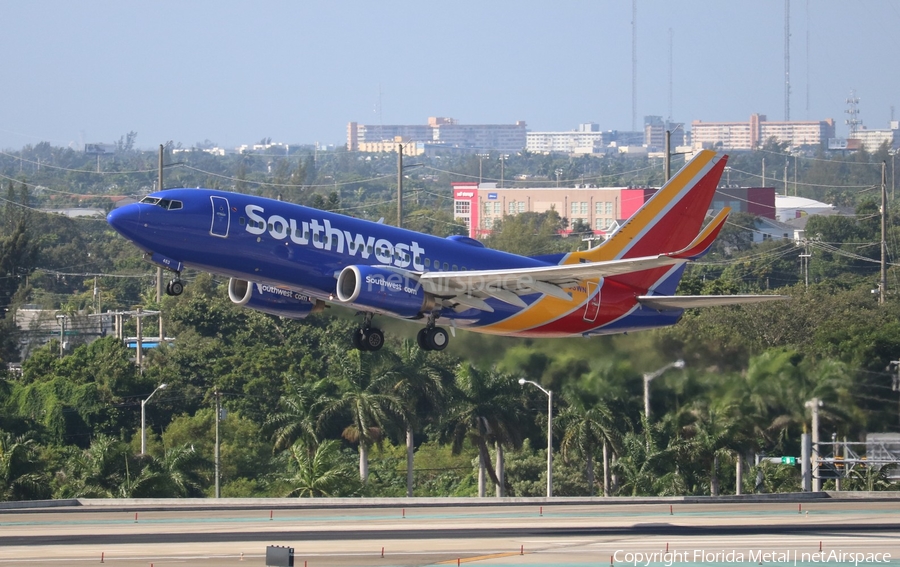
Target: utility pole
point(139, 347)
point(668, 156)
point(218, 411)
point(883, 283)
point(400, 185)
point(804, 260)
point(895, 379)
point(814, 405)
point(159, 272)
point(763, 172)
point(786, 178)
point(795, 175)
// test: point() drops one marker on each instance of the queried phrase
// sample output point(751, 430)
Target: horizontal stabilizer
point(667, 302)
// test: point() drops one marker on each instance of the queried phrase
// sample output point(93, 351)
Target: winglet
point(705, 239)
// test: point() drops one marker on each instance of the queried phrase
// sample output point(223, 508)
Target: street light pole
point(650, 376)
point(144, 418)
point(549, 393)
point(814, 405)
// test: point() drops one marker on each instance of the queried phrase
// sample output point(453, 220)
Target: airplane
point(290, 260)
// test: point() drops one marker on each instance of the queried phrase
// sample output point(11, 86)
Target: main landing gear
point(367, 337)
point(432, 337)
point(175, 287)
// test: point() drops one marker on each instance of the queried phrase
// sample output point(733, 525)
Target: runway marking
point(477, 558)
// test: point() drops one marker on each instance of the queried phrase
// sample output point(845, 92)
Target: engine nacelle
point(384, 290)
point(272, 300)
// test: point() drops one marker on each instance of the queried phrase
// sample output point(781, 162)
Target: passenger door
point(221, 219)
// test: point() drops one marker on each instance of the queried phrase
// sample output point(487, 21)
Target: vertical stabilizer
point(670, 220)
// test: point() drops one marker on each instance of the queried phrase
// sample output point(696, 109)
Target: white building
point(872, 140)
point(752, 134)
point(787, 208)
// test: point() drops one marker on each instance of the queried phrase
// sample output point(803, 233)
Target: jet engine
point(272, 300)
point(384, 290)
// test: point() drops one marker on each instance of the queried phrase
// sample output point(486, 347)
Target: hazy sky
point(297, 71)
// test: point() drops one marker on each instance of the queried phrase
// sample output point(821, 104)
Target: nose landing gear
point(175, 287)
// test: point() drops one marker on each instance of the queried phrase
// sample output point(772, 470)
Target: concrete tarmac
point(660, 533)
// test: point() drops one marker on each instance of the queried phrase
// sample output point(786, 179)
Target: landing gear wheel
point(422, 339)
point(175, 287)
point(356, 337)
point(436, 338)
point(372, 339)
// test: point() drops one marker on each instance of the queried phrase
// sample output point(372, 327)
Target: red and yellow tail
point(671, 221)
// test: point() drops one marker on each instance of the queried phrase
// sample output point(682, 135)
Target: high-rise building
point(442, 131)
point(754, 133)
point(871, 140)
point(655, 133)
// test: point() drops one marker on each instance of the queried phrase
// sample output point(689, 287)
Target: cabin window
point(271, 226)
point(455, 268)
point(427, 262)
point(241, 221)
point(446, 266)
point(316, 237)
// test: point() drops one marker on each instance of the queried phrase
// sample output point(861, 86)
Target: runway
point(564, 534)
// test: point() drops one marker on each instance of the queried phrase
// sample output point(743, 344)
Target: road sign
point(788, 460)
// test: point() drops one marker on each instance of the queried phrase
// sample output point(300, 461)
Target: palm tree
point(299, 415)
point(714, 434)
point(21, 477)
point(588, 425)
point(485, 411)
point(366, 400)
point(318, 472)
point(778, 383)
point(423, 389)
point(96, 472)
point(179, 473)
point(643, 462)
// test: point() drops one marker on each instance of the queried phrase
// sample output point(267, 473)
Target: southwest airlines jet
point(290, 260)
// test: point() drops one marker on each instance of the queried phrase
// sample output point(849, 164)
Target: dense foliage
point(306, 417)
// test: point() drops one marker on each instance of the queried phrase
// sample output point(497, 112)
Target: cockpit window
point(168, 204)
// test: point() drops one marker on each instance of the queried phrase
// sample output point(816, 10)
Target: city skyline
point(235, 73)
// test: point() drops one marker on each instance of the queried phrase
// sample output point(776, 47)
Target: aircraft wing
point(470, 287)
point(666, 302)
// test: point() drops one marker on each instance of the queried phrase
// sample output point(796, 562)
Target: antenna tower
point(853, 110)
point(669, 119)
point(787, 60)
point(807, 59)
point(633, 65)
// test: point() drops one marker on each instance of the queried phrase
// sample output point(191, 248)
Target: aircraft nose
point(124, 219)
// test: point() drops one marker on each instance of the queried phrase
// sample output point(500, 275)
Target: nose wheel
point(174, 287)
